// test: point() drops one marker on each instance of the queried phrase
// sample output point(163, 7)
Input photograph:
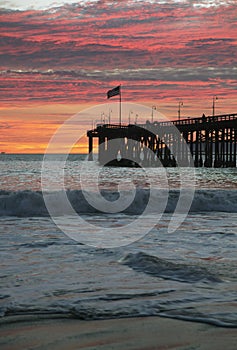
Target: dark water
point(188, 274)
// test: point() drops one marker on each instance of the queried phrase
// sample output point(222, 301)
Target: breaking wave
point(157, 267)
point(31, 203)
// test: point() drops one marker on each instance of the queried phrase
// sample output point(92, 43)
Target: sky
point(59, 57)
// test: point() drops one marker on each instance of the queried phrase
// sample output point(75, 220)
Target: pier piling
point(205, 141)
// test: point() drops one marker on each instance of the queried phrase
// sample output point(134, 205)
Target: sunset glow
point(56, 61)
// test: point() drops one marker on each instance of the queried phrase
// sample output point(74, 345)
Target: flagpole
point(120, 106)
point(115, 92)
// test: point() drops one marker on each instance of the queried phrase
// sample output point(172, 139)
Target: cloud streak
point(142, 35)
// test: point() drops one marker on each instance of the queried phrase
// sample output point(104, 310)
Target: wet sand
point(149, 333)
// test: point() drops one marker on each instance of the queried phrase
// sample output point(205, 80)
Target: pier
point(201, 142)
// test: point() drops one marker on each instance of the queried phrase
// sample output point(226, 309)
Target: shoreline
point(139, 333)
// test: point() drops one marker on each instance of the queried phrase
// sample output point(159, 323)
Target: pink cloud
point(90, 48)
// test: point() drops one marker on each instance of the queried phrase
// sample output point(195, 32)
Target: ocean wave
point(89, 310)
point(157, 267)
point(31, 203)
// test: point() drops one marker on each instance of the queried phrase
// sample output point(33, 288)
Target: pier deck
point(206, 141)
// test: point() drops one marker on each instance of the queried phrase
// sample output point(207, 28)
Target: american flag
point(115, 91)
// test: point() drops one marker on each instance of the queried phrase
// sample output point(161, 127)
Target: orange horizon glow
point(33, 134)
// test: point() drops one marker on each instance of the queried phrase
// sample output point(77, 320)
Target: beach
point(147, 333)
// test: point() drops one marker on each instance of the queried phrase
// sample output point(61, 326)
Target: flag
point(113, 92)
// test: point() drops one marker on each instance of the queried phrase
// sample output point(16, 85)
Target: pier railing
point(207, 141)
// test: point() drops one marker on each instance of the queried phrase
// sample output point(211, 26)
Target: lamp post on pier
point(136, 118)
point(110, 111)
point(215, 98)
point(152, 112)
point(101, 117)
point(179, 110)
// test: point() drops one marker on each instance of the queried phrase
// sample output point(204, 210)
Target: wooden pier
point(206, 141)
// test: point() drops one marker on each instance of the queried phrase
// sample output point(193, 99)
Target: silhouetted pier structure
point(206, 141)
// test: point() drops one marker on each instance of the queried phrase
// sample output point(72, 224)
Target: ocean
point(177, 259)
